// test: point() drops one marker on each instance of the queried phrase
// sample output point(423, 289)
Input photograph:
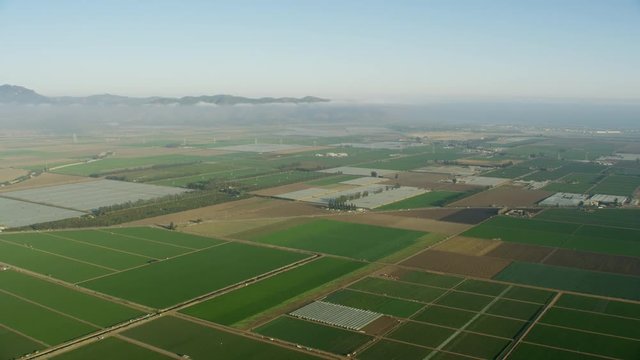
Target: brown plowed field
point(470, 216)
point(467, 245)
point(229, 228)
point(380, 326)
point(452, 263)
point(511, 196)
point(520, 252)
point(8, 174)
point(402, 222)
point(594, 261)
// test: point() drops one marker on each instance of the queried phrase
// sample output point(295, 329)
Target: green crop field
point(392, 350)
point(336, 238)
point(168, 237)
point(226, 175)
point(604, 306)
point(430, 279)
point(109, 259)
point(238, 305)
point(497, 326)
point(590, 282)
point(377, 303)
point(559, 234)
point(527, 351)
point(201, 342)
point(465, 301)
point(89, 308)
point(314, 335)
point(430, 199)
point(48, 264)
point(628, 218)
point(14, 345)
point(413, 161)
point(481, 287)
point(172, 281)
point(120, 163)
point(156, 173)
point(111, 348)
point(529, 294)
point(421, 334)
point(477, 345)
point(617, 185)
point(577, 319)
point(510, 172)
point(444, 316)
point(514, 309)
point(591, 343)
point(398, 289)
point(40, 323)
point(574, 183)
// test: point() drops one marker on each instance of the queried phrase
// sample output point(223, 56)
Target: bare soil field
point(302, 149)
point(520, 252)
point(594, 261)
point(228, 228)
point(443, 261)
point(467, 245)
point(418, 179)
point(251, 208)
point(402, 222)
point(46, 179)
point(8, 174)
point(471, 216)
point(380, 326)
point(511, 196)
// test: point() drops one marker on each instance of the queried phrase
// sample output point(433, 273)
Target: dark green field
point(617, 185)
point(111, 348)
point(314, 335)
point(178, 279)
point(398, 289)
point(574, 183)
point(560, 234)
point(376, 303)
point(627, 218)
point(336, 238)
point(249, 301)
point(430, 199)
point(14, 345)
point(556, 277)
point(201, 342)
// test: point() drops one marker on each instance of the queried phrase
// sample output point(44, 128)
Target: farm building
point(602, 199)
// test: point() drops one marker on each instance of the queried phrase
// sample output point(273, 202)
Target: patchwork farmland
point(449, 255)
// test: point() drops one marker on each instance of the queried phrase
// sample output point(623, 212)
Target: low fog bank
point(55, 118)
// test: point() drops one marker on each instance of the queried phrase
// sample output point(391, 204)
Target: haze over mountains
point(12, 94)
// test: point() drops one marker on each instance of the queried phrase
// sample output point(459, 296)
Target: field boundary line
point(146, 264)
point(468, 323)
point(141, 238)
point(598, 313)
point(98, 327)
point(147, 346)
point(523, 334)
point(23, 335)
point(97, 245)
point(569, 350)
point(589, 331)
point(59, 255)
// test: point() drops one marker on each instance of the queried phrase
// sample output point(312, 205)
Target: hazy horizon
point(372, 52)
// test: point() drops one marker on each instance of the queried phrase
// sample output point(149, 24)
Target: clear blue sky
point(364, 50)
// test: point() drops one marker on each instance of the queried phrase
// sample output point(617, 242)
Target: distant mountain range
point(12, 94)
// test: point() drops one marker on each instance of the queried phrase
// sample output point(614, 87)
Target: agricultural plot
point(414, 161)
point(197, 341)
point(336, 238)
point(430, 199)
point(511, 196)
point(309, 334)
point(90, 195)
point(449, 262)
point(277, 179)
point(563, 278)
point(221, 176)
point(583, 327)
point(120, 163)
point(358, 171)
point(15, 213)
point(178, 279)
point(510, 172)
point(336, 315)
point(375, 303)
point(559, 234)
point(575, 183)
point(111, 348)
point(163, 172)
point(241, 304)
point(617, 185)
point(14, 345)
point(627, 218)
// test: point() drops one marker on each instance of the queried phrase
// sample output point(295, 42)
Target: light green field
point(430, 199)
point(165, 283)
point(336, 238)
